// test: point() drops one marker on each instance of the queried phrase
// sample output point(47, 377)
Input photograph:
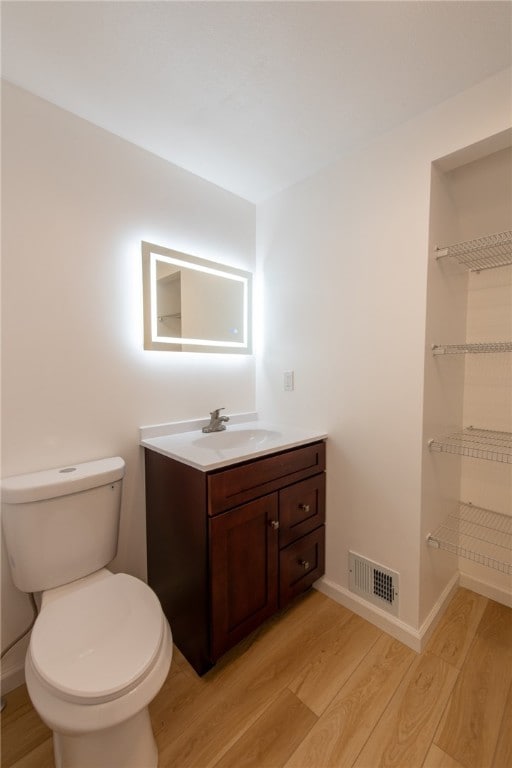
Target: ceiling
point(252, 96)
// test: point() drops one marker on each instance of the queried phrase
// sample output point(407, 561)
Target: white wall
point(344, 264)
point(77, 383)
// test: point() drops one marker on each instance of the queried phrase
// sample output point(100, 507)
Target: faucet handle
point(215, 414)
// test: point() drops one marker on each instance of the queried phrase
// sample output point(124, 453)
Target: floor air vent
point(375, 583)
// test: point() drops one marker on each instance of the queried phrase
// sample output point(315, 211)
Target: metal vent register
point(375, 583)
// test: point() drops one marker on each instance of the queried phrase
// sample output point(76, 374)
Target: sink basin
point(241, 438)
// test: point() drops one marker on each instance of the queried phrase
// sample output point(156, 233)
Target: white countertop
point(245, 437)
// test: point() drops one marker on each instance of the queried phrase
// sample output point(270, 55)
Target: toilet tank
point(61, 524)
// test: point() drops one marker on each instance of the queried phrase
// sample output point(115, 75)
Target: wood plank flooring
point(319, 687)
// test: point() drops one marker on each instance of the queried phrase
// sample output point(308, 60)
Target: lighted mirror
point(194, 305)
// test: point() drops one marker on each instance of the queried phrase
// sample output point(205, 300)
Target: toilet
point(101, 647)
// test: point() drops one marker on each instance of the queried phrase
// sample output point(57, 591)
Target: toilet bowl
point(101, 647)
point(100, 650)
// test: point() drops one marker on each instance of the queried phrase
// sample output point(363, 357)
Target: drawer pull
point(305, 564)
point(304, 507)
point(274, 524)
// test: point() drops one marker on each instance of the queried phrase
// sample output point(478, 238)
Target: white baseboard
point(486, 590)
point(438, 609)
point(405, 633)
point(390, 624)
point(13, 667)
point(12, 679)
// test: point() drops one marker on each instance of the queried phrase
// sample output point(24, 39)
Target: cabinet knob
point(305, 564)
point(274, 524)
point(304, 507)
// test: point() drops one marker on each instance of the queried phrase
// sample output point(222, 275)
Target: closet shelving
point(481, 253)
point(477, 534)
point(475, 348)
point(477, 443)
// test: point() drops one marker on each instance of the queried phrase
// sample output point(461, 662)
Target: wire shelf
point(462, 349)
point(477, 534)
point(482, 253)
point(476, 443)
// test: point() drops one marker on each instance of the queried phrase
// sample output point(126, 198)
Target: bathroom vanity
point(233, 538)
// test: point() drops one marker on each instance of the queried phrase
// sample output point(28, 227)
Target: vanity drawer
point(300, 564)
point(301, 508)
point(237, 485)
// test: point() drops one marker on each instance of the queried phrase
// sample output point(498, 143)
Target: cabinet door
point(244, 570)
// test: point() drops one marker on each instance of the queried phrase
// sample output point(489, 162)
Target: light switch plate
point(288, 381)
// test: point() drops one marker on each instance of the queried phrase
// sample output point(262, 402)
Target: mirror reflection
point(194, 305)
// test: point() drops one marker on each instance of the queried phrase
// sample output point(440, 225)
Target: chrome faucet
point(216, 421)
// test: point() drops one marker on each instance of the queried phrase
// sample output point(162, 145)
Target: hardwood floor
point(318, 687)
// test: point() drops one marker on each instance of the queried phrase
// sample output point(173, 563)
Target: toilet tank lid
point(61, 481)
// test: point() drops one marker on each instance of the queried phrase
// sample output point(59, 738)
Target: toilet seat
point(96, 643)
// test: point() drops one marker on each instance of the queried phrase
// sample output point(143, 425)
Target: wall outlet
point(288, 381)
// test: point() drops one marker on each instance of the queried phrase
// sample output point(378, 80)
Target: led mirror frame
point(152, 253)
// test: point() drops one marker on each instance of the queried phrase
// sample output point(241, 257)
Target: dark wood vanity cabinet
point(228, 548)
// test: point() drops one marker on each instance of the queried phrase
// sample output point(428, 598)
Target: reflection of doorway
point(168, 300)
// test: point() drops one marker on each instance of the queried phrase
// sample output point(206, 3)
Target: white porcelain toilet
point(101, 647)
